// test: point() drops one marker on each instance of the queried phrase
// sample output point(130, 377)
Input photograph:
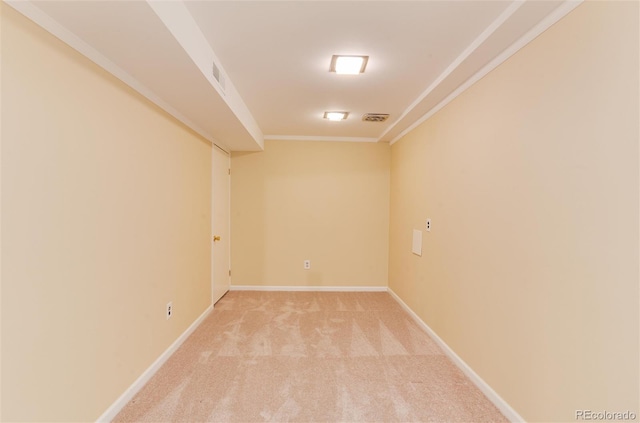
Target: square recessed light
point(348, 65)
point(336, 116)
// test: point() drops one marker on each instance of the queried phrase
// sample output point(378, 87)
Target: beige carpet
point(309, 357)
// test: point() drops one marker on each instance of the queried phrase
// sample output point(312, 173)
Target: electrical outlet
point(307, 264)
point(169, 310)
point(428, 225)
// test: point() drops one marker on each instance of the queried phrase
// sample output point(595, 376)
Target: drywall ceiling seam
point(180, 23)
point(538, 29)
point(477, 42)
point(52, 26)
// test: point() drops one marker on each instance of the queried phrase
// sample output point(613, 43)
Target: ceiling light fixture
point(336, 116)
point(348, 65)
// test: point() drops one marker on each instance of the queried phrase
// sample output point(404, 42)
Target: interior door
point(221, 278)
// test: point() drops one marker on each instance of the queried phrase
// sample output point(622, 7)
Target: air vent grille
point(375, 117)
point(218, 76)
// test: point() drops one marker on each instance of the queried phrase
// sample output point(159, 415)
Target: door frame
point(226, 151)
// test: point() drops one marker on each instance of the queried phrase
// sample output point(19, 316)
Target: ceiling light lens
point(335, 116)
point(348, 65)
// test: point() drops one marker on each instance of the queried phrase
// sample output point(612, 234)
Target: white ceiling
point(274, 57)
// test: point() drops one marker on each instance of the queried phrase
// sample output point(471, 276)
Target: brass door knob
point(216, 238)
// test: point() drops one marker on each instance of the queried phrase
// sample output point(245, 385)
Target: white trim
point(318, 138)
point(124, 399)
point(215, 173)
point(542, 26)
point(493, 396)
point(309, 288)
point(34, 13)
point(213, 228)
point(229, 216)
point(222, 147)
point(477, 42)
point(180, 23)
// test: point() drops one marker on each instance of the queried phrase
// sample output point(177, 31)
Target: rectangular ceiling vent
point(375, 117)
point(218, 76)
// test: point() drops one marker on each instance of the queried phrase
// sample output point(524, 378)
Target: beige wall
point(323, 201)
point(105, 218)
point(530, 272)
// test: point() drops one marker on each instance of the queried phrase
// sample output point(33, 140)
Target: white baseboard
point(119, 404)
point(493, 396)
point(309, 288)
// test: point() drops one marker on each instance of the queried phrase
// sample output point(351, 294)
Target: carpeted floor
point(309, 357)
